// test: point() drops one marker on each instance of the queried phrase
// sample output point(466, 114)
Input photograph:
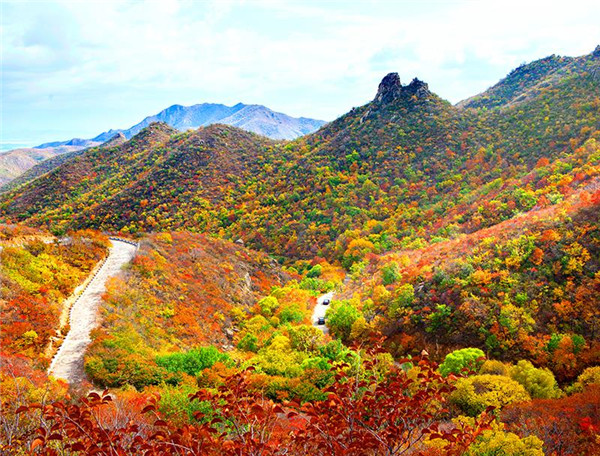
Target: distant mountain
point(14, 162)
point(254, 118)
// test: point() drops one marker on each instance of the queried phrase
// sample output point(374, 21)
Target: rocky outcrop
point(390, 89)
point(417, 88)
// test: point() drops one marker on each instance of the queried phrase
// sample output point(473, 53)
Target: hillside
point(180, 293)
point(37, 274)
point(528, 80)
point(51, 163)
point(405, 169)
point(528, 287)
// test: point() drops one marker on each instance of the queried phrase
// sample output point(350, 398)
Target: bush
point(175, 405)
point(501, 443)
point(248, 343)
point(335, 351)
point(268, 305)
point(315, 271)
point(192, 362)
point(590, 376)
point(465, 358)
point(390, 273)
point(306, 338)
point(539, 383)
point(279, 358)
point(341, 315)
point(474, 394)
point(291, 314)
point(494, 367)
point(126, 369)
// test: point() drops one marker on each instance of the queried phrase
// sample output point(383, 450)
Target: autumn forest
point(454, 249)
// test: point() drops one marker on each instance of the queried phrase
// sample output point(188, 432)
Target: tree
point(539, 383)
point(390, 273)
point(476, 393)
point(341, 315)
point(465, 358)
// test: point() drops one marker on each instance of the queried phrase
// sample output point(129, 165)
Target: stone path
point(68, 361)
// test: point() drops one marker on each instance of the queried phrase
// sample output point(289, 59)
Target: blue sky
point(77, 68)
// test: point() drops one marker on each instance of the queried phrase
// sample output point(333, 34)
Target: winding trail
point(319, 311)
point(68, 361)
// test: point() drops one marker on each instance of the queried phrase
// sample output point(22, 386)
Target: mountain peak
point(418, 88)
point(156, 131)
point(389, 88)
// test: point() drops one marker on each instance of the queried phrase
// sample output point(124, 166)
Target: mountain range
point(408, 149)
point(255, 118)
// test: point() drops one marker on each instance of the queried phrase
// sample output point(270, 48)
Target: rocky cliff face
point(390, 89)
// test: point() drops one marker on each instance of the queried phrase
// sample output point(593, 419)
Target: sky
point(78, 68)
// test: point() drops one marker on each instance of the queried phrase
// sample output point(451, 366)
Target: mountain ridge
point(275, 125)
point(399, 159)
point(253, 117)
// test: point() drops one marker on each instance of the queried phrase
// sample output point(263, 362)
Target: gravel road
point(68, 361)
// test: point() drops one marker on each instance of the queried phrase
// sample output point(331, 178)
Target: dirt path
point(68, 362)
point(319, 311)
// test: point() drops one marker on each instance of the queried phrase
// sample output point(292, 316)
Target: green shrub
point(248, 343)
point(390, 273)
point(340, 317)
point(315, 271)
point(193, 361)
point(291, 314)
point(176, 407)
point(465, 358)
point(268, 305)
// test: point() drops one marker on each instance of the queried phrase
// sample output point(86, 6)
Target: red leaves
point(149, 408)
point(36, 443)
point(365, 414)
point(568, 425)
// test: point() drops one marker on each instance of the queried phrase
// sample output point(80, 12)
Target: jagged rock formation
point(390, 89)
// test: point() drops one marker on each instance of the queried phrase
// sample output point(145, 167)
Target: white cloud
point(86, 66)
